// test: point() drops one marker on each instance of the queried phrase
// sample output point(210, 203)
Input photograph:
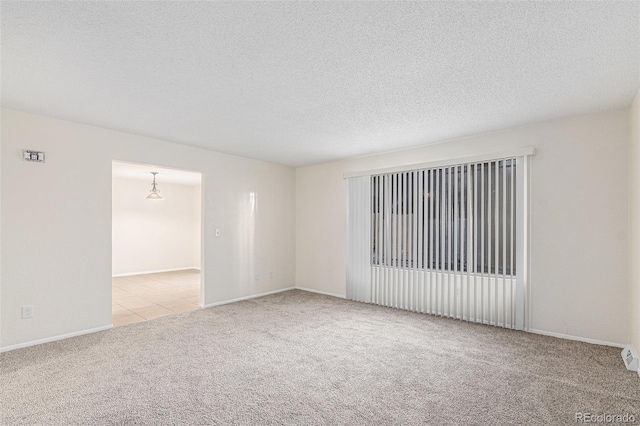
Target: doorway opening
point(156, 242)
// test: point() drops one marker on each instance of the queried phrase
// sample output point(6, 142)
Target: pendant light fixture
point(154, 194)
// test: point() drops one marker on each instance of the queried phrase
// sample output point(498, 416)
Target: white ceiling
point(143, 172)
point(306, 82)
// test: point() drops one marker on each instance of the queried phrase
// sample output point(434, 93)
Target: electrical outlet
point(27, 312)
point(217, 232)
point(271, 275)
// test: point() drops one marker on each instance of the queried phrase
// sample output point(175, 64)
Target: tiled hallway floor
point(142, 297)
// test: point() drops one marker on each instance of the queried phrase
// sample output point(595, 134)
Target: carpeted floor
point(300, 358)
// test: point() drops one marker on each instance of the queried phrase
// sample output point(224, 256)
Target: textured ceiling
point(302, 83)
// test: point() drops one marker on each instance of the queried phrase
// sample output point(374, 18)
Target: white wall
point(634, 226)
point(152, 236)
point(56, 223)
point(579, 219)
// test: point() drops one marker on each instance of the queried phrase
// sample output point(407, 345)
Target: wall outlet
point(27, 312)
point(217, 232)
point(270, 275)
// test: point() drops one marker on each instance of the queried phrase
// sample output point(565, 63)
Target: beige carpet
point(300, 358)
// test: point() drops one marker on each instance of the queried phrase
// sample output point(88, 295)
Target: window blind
point(443, 241)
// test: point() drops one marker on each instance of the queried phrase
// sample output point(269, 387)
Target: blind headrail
point(517, 152)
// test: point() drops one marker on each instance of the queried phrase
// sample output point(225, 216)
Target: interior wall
point(634, 226)
point(196, 226)
point(56, 223)
point(579, 219)
point(150, 236)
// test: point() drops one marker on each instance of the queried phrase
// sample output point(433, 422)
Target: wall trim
point(253, 296)
point(55, 338)
point(310, 290)
point(577, 338)
point(240, 299)
point(326, 293)
point(128, 274)
point(516, 152)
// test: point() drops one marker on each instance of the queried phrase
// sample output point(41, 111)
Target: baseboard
point(577, 338)
point(240, 299)
point(129, 274)
point(54, 338)
point(326, 293)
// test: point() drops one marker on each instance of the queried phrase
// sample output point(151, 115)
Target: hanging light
point(154, 194)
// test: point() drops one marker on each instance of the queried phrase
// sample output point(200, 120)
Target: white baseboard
point(311, 290)
point(579, 339)
point(54, 338)
point(253, 296)
point(129, 274)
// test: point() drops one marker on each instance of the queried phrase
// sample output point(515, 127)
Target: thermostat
point(37, 156)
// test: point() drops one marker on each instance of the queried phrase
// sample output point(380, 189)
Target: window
point(456, 218)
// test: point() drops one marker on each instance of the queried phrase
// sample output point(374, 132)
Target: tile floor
point(143, 297)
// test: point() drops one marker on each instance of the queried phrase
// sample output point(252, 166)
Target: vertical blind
point(441, 241)
point(359, 239)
